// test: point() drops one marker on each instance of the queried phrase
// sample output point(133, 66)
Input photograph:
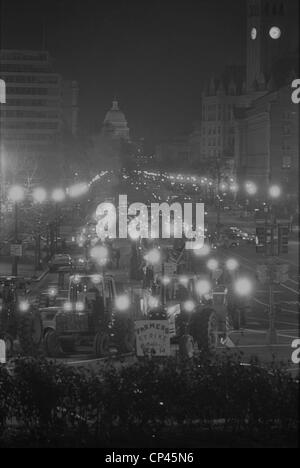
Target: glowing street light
point(39, 195)
point(189, 306)
point(231, 264)
point(24, 306)
point(53, 292)
point(243, 287)
point(201, 252)
point(58, 195)
point(16, 193)
point(153, 302)
point(183, 280)
point(78, 190)
point(212, 264)
point(251, 188)
point(100, 254)
point(234, 187)
point(165, 280)
point(203, 287)
point(153, 257)
point(79, 306)
point(274, 191)
point(122, 302)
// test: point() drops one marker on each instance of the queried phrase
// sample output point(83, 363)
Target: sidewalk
point(253, 343)
point(24, 269)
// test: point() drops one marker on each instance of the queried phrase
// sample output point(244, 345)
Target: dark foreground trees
point(199, 403)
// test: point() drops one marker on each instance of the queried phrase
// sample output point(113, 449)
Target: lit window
point(286, 162)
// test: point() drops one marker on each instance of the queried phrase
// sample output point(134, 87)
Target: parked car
point(60, 260)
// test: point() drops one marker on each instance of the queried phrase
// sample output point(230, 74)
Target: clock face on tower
point(253, 33)
point(275, 32)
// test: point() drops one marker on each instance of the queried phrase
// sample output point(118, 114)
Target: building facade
point(267, 143)
point(174, 153)
point(217, 116)
point(39, 106)
point(115, 124)
point(267, 122)
point(272, 36)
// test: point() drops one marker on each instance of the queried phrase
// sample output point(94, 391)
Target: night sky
point(154, 55)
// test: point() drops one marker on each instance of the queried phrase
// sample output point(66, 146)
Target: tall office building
point(39, 107)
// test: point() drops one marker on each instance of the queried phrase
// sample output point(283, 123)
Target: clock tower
point(269, 38)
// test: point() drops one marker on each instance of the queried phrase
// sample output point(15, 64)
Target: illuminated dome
point(115, 123)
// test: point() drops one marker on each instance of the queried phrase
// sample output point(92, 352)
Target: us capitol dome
point(115, 123)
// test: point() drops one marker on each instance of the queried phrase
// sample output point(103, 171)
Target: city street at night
point(149, 226)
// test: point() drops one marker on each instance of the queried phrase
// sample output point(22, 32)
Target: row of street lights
point(17, 194)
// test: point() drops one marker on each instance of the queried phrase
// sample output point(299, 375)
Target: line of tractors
point(96, 313)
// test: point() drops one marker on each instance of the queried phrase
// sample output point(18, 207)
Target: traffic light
point(283, 240)
point(261, 239)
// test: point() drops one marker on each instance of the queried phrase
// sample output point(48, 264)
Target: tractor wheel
point(204, 328)
point(186, 346)
point(30, 332)
point(52, 344)
point(101, 344)
point(68, 346)
point(124, 334)
point(9, 344)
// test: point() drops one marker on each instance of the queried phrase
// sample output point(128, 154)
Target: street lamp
point(78, 190)
point(274, 191)
point(16, 194)
point(39, 195)
point(203, 287)
point(212, 264)
point(153, 257)
point(201, 252)
point(58, 196)
point(234, 188)
point(243, 287)
point(251, 188)
point(231, 264)
point(122, 303)
point(189, 306)
point(100, 254)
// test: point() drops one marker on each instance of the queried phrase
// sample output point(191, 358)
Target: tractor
point(93, 315)
point(195, 309)
point(19, 319)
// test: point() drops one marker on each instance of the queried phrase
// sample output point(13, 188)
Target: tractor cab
point(89, 318)
point(87, 290)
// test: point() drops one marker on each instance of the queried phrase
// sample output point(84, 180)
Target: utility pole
point(272, 271)
point(271, 333)
point(37, 250)
point(14, 270)
point(218, 173)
